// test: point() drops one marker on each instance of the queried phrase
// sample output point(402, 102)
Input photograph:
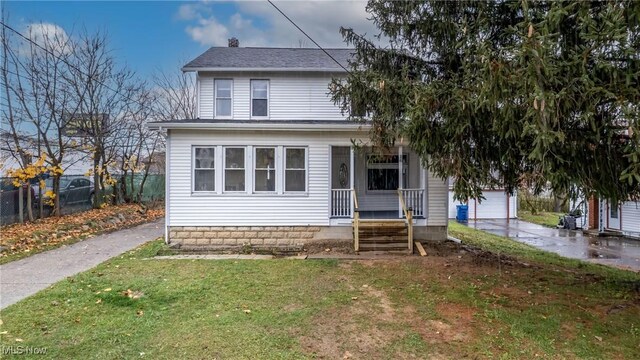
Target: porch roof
point(286, 125)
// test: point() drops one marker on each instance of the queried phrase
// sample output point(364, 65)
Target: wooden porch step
point(381, 224)
point(383, 239)
point(394, 246)
point(386, 231)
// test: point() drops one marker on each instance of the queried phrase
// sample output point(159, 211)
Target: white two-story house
point(270, 161)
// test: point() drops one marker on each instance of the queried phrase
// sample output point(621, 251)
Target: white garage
point(496, 205)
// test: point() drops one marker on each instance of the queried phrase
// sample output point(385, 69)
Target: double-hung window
point(265, 169)
point(224, 102)
point(295, 178)
point(234, 169)
point(204, 169)
point(259, 98)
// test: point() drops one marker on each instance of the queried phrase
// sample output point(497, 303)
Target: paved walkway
point(22, 278)
point(615, 251)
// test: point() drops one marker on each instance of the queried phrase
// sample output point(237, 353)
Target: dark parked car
point(72, 191)
point(9, 199)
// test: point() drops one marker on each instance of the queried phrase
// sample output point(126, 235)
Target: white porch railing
point(414, 199)
point(341, 203)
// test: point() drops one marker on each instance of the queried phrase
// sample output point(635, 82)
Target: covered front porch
point(381, 195)
point(377, 185)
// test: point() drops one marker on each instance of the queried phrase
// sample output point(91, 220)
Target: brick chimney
point(234, 42)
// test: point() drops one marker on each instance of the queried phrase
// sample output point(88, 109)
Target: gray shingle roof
point(269, 58)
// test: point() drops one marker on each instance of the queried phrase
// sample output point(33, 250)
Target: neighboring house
point(497, 204)
point(623, 218)
point(270, 160)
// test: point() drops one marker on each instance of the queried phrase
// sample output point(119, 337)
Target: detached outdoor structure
point(270, 161)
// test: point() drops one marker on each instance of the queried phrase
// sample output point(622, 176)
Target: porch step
point(383, 235)
point(394, 246)
point(381, 223)
point(383, 239)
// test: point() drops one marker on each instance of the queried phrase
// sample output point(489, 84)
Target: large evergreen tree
point(499, 93)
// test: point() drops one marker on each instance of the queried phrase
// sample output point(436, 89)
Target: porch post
point(400, 178)
point(352, 163)
point(423, 201)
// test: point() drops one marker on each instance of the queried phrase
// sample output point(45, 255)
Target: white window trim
point(224, 169)
point(215, 98)
point(251, 99)
point(255, 168)
point(193, 169)
point(306, 170)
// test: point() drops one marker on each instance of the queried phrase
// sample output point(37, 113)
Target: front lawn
point(548, 219)
point(454, 303)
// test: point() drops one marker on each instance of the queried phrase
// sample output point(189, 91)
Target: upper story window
point(204, 169)
point(223, 93)
point(259, 98)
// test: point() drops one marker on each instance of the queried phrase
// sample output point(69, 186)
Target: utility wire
point(309, 37)
point(70, 65)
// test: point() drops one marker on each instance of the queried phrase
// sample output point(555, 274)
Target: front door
point(614, 217)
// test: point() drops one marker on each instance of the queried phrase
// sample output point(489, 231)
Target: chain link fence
point(76, 195)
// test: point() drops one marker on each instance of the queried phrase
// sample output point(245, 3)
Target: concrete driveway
point(22, 278)
point(620, 252)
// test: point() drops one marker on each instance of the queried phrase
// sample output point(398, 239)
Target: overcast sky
point(148, 35)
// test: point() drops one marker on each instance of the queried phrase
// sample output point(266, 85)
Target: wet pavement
point(615, 251)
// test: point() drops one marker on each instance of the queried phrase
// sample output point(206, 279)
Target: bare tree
point(106, 94)
point(176, 95)
point(34, 81)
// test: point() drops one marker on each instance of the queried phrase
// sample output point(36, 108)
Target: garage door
point(494, 206)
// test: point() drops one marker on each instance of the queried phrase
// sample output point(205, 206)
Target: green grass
point(451, 305)
point(548, 219)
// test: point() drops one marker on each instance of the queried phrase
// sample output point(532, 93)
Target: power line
point(71, 65)
point(309, 37)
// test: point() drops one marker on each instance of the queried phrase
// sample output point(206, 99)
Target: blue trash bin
point(462, 213)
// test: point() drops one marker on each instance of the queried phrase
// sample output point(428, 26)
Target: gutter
point(244, 69)
point(260, 126)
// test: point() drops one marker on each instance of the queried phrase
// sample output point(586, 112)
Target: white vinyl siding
point(630, 218)
point(205, 102)
point(187, 208)
point(295, 96)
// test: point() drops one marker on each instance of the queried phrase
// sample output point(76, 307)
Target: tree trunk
point(96, 181)
point(29, 203)
point(56, 195)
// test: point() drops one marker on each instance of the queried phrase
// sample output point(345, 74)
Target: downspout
point(508, 210)
point(166, 185)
